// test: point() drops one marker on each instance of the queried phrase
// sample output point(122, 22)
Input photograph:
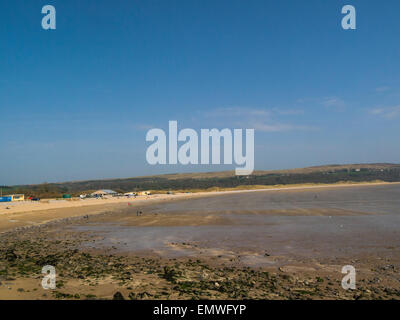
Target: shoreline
point(25, 214)
point(181, 249)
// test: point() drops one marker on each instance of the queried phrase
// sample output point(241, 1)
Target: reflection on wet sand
point(264, 227)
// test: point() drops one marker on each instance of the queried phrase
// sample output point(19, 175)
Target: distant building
point(12, 198)
point(17, 197)
point(104, 192)
point(5, 199)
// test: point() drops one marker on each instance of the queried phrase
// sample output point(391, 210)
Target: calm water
point(255, 232)
point(370, 199)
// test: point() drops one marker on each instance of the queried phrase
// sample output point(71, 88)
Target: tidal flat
point(275, 244)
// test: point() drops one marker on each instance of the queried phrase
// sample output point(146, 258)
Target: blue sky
point(76, 102)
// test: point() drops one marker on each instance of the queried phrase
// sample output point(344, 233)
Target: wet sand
point(296, 223)
point(28, 213)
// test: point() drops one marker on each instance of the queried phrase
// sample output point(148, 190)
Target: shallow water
point(256, 230)
point(372, 199)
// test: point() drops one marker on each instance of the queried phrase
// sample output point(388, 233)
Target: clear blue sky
point(76, 102)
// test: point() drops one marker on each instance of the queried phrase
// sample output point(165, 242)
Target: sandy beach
point(279, 243)
point(27, 213)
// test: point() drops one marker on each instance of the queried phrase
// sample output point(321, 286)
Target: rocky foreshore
point(104, 274)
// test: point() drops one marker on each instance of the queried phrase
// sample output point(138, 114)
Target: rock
point(132, 296)
point(118, 296)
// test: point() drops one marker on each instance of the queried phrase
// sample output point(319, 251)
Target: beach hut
point(5, 199)
point(12, 198)
point(17, 197)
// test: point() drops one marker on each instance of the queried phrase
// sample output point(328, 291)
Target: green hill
point(225, 179)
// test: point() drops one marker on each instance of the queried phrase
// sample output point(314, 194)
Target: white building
point(104, 192)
